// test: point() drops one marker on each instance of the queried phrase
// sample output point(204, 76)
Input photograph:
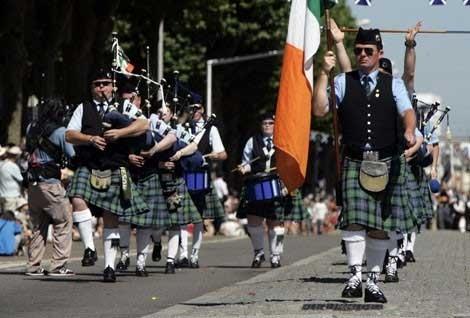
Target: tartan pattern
point(156, 191)
point(294, 208)
point(109, 200)
point(269, 210)
point(389, 210)
point(414, 193)
point(214, 208)
point(423, 182)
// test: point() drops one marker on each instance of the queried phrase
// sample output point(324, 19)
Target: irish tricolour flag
point(293, 111)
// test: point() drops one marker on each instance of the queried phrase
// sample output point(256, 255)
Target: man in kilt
point(259, 161)
point(209, 206)
point(374, 203)
point(101, 179)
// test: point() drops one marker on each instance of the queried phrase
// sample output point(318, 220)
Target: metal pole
point(230, 60)
point(345, 29)
point(160, 51)
point(209, 88)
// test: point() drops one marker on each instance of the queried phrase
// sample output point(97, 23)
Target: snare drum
point(263, 188)
point(197, 181)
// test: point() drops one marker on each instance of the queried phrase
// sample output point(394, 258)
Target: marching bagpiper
point(102, 178)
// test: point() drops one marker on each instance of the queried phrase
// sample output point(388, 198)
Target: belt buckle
point(370, 155)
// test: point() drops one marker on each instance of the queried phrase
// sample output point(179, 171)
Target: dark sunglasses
point(369, 51)
point(268, 123)
point(104, 83)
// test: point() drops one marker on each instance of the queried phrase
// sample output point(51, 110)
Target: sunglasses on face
point(368, 50)
point(265, 123)
point(102, 83)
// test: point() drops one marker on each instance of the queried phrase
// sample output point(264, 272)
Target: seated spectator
point(10, 234)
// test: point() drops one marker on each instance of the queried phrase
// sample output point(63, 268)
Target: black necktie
point(101, 110)
point(366, 84)
point(269, 143)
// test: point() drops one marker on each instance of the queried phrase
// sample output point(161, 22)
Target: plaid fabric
point(388, 210)
point(294, 207)
point(415, 196)
point(423, 181)
point(151, 191)
point(269, 210)
point(208, 205)
point(109, 200)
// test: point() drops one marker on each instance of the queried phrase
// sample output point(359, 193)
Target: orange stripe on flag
point(293, 114)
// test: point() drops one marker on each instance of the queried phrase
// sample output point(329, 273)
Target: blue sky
point(443, 61)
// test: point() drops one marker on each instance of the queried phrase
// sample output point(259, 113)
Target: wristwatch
point(410, 44)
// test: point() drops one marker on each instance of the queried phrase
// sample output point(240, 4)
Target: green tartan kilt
point(273, 210)
point(388, 210)
point(423, 183)
point(294, 207)
point(110, 199)
point(156, 192)
point(208, 204)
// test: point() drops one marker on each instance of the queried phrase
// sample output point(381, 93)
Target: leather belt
point(357, 153)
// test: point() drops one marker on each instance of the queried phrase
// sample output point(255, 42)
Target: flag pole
point(346, 29)
point(329, 43)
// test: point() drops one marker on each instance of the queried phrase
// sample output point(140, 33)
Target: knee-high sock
point(411, 242)
point(157, 235)
point(183, 243)
point(173, 241)
point(276, 238)
point(256, 236)
point(375, 254)
point(111, 244)
point(405, 242)
point(85, 228)
point(355, 242)
point(197, 240)
point(143, 245)
point(124, 239)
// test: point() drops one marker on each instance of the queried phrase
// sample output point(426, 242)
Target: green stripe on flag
point(317, 7)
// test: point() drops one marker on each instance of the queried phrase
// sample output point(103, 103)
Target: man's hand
point(410, 36)
point(168, 165)
point(98, 142)
point(136, 160)
point(176, 156)
point(112, 134)
point(338, 35)
point(329, 62)
point(410, 138)
point(149, 153)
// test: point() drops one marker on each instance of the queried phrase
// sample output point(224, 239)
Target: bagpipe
point(423, 157)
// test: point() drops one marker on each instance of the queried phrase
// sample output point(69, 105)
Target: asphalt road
point(223, 263)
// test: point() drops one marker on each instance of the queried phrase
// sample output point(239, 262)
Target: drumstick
point(271, 169)
point(244, 164)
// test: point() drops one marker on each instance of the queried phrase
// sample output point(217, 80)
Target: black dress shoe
point(194, 264)
point(353, 288)
point(108, 275)
point(89, 257)
point(170, 268)
point(257, 261)
point(182, 263)
point(123, 266)
point(141, 272)
point(409, 257)
point(157, 252)
point(374, 295)
point(391, 277)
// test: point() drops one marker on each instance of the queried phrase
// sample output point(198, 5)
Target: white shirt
point(10, 179)
point(129, 109)
point(320, 209)
point(214, 137)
